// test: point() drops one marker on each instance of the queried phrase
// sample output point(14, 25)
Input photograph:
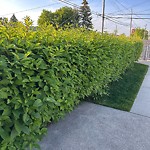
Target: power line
point(73, 16)
point(141, 18)
point(135, 23)
point(132, 8)
point(119, 10)
point(132, 14)
point(144, 10)
point(129, 8)
point(143, 2)
point(130, 25)
point(131, 18)
point(145, 19)
point(121, 17)
point(68, 3)
point(77, 6)
point(116, 6)
point(122, 5)
point(93, 12)
point(116, 21)
point(28, 9)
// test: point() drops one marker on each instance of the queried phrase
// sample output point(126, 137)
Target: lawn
point(123, 92)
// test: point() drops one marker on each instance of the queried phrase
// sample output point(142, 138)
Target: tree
point(141, 33)
point(61, 17)
point(13, 18)
point(85, 16)
point(66, 16)
point(46, 17)
point(3, 21)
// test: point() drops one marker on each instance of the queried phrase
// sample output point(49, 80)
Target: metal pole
point(103, 15)
point(145, 32)
point(116, 31)
point(131, 23)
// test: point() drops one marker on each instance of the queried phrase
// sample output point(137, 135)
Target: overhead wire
point(117, 22)
point(116, 5)
point(144, 10)
point(121, 17)
point(73, 16)
point(71, 4)
point(131, 7)
point(132, 14)
point(139, 4)
point(135, 24)
point(30, 9)
point(145, 19)
point(119, 10)
point(77, 6)
point(93, 12)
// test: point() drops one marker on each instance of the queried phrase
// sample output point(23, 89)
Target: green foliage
point(13, 18)
point(61, 17)
point(122, 93)
point(85, 16)
point(3, 21)
point(28, 22)
point(46, 17)
point(44, 74)
point(67, 16)
point(141, 33)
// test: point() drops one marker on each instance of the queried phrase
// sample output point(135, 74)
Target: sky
point(113, 8)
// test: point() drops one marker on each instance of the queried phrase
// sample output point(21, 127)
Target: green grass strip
point(123, 92)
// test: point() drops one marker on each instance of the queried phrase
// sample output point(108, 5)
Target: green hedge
point(44, 74)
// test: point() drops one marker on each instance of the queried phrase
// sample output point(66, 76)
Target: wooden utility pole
point(131, 22)
point(103, 15)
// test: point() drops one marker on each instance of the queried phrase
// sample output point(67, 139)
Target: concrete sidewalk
point(95, 127)
point(141, 105)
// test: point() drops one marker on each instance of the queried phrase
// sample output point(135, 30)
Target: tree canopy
point(61, 17)
point(46, 17)
point(141, 33)
point(3, 21)
point(66, 16)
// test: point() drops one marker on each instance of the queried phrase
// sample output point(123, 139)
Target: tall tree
point(66, 16)
point(61, 17)
point(85, 16)
point(141, 33)
point(46, 17)
point(13, 18)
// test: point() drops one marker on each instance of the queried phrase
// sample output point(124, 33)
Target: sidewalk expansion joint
point(140, 115)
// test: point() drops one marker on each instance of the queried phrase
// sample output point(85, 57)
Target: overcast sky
point(113, 7)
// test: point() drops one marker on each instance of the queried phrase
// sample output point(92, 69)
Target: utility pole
point(145, 32)
point(116, 30)
point(103, 15)
point(131, 22)
point(74, 17)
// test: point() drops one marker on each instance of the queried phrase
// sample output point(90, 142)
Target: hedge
point(45, 73)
